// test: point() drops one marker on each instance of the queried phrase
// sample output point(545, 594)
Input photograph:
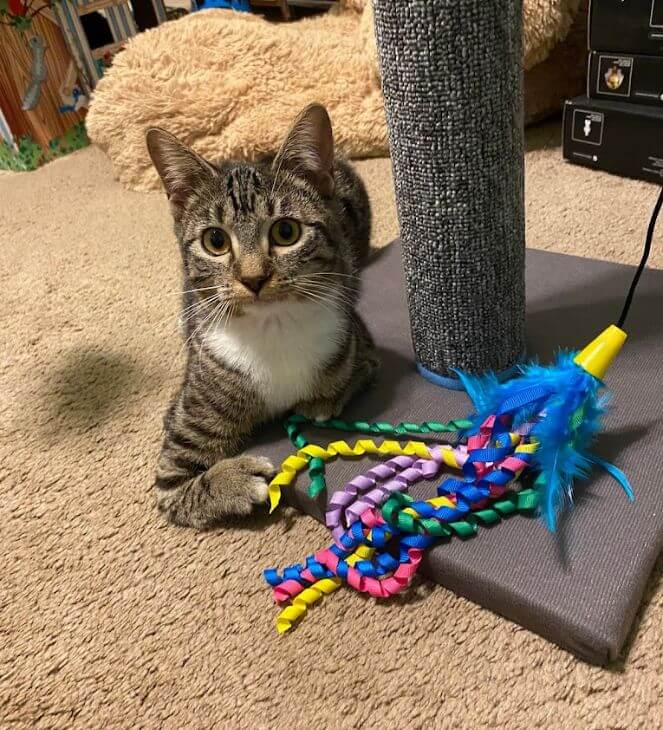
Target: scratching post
point(452, 82)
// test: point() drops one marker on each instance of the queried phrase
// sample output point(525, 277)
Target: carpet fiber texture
point(111, 618)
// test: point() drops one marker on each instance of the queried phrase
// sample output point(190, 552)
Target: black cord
point(643, 260)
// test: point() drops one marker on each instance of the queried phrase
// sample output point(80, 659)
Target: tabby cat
point(271, 255)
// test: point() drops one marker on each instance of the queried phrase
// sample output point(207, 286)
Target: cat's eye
point(216, 241)
point(285, 232)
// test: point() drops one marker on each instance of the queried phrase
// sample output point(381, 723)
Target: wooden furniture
point(281, 5)
point(71, 67)
point(122, 25)
point(45, 121)
point(285, 5)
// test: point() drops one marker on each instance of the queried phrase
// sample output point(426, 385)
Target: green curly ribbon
point(382, 427)
point(524, 501)
point(316, 467)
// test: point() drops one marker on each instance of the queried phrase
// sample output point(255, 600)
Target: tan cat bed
point(229, 83)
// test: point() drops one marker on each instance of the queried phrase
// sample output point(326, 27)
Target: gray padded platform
point(581, 587)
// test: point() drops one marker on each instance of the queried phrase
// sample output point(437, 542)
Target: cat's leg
point(197, 481)
point(351, 373)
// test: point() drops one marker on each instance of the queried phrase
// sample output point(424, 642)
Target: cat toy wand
point(543, 422)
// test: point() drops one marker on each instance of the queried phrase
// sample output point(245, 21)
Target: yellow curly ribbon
point(300, 604)
point(295, 463)
point(449, 456)
point(435, 502)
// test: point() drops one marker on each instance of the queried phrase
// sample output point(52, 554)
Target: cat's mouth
point(264, 298)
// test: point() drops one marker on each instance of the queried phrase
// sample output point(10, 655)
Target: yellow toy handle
point(597, 357)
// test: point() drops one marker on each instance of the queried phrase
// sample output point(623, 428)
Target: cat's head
point(253, 233)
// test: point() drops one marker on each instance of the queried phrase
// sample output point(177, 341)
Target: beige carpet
point(111, 618)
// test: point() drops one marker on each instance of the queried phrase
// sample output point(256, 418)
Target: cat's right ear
point(181, 170)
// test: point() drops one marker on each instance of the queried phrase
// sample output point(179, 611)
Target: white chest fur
point(281, 346)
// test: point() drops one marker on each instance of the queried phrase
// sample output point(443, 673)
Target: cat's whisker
point(225, 315)
point(193, 309)
point(330, 293)
point(338, 338)
point(224, 312)
point(331, 285)
point(348, 295)
point(315, 274)
point(275, 190)
point(342, 288)
point(198, 305)
point(207, 307)
point(202, 339)
point(295, 169)
point(185, 344)
point(183, 316)
point(326, 307)
point(321, 287)
point(276, 177)
point(327, 303)
point(229, 314)
point(218, 318)
point(219, 311)
point(192, 291)
point(220, 305)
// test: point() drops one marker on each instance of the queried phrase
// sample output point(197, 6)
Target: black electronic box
point(624, 139)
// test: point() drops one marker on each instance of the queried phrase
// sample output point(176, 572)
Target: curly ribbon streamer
point(301, 602)
point(299, 461)
point(381, 428)
point(493, 460)
point(374, 486)
point(524, 501)
point(373, 513)
point(316, 469)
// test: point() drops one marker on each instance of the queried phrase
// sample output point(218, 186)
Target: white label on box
point(587, 127)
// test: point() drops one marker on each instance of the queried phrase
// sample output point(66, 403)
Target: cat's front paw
point(239, 483)
point(321, 409)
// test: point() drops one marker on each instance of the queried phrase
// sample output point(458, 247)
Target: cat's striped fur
point(269, 328)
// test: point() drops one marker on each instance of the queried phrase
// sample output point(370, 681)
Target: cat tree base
point(580, 587)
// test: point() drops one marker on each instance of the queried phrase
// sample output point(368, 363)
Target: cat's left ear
point(308, 150)
point(181, 170)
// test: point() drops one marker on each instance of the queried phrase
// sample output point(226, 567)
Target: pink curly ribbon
point(290, 588)
point(383, 588)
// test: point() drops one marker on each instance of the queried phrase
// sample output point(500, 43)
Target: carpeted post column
point(452, 82)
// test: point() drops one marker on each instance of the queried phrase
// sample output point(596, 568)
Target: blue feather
point(564, 402)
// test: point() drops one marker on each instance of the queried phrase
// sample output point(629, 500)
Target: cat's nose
point(254, 283)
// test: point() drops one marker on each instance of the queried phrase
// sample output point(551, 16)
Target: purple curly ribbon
point(374, 487)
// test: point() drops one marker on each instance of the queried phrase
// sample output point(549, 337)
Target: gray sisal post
point(452, 82)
